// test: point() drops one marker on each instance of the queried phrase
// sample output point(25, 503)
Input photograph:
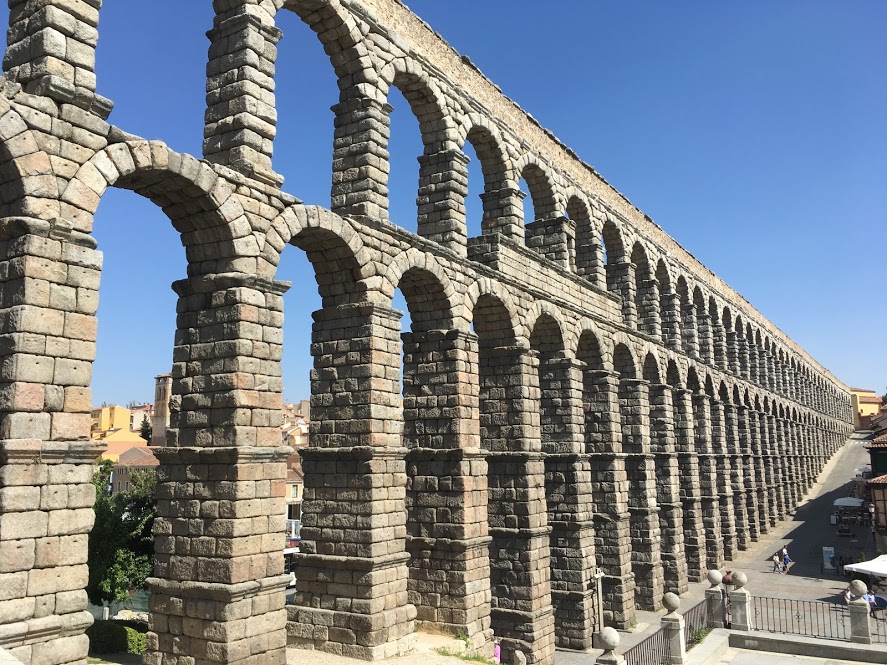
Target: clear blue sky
point(753, 133)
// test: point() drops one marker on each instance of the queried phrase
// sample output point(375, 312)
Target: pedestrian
point(776, 565)
point(869, 597)
point(785, 560)
point(841, 565)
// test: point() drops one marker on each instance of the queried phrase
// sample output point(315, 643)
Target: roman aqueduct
point(581, 399)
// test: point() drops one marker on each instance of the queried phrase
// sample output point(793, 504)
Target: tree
point(121, 543)
point(146, 431)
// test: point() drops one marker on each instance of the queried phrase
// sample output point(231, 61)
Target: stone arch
point(429, 292)
point(646, 292)
point(613, 243)
point(537, 311)
point(546, 335)
point(541, 185)
point(588, 260)
point(342, 40)
point(673, 374)
point(188, 190)
point(624, 361)
point(495, 165)
point(20, 160)
point(589, 349)
point(651, 369)
point(426, 102)
point(342, 264)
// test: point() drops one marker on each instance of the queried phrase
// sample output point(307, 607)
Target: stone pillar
point(860, 626)
point(668, 498)
point(241, 118)
point(648, 308)
point(504, 213)
point(736, 480)
point(733, 352)
point(360, 158)
point(714, 597)
point(217, 589)
point(708, 482)
point(740, 605)
point(447, 534)
point(754, 368)
point(689, 333)
point(675, 630)
point(742, 345)
point(761, 483)
point(724, 477)
point(777, 455)
point(590, 256)
point(689, 485)
point(719, 341)
point(671, 320)
point(48, 304)
point(749, 473)
point(352, 589)
point(51, 51)
point(609, 642)
point(705, 340)
point(785, 477)
point(603, 433)
point(443, 186)
point(620, 280)
point(522, 616)
point(568, 491)
point(646, 559)
point(553, 238)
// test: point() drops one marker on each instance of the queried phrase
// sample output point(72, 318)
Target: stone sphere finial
point(740, 579)
point(609, 638)
point(671, 602)
point(858, 588)
point(714, 577)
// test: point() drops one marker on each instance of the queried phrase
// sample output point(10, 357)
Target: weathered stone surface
point(550, 419)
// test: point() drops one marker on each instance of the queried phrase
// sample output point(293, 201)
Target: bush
point(114, 637)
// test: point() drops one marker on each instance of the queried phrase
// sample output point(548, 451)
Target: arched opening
point(404, 147)
point(589, 250)
point(488, 190)
point(646, 292)
point(719, 335)
point(688, 319)
point(703, 327)
point(669, 307)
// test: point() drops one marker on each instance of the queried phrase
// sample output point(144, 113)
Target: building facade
point(577, 395)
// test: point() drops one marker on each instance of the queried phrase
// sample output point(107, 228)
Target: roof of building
point(861, 390)
point(117, 448)
point(878, 442)
point(873, 399)
point(138, 457)
point(880, 480)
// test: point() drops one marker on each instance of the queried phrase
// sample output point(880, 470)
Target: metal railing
point(655, 650)
point(801, 617)
point(878, 627)
point(696, 623)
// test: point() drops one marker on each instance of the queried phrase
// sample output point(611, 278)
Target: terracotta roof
point(880, 480)
point(861, 390)
point(865, 399)
point(878, 442)
point(138, 457)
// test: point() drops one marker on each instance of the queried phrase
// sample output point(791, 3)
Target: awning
point(848, 502)
point(877, 566)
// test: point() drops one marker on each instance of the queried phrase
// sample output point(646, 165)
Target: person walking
point(785, 560)
point(776, 563)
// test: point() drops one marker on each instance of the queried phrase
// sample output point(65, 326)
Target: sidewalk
point(803, 535)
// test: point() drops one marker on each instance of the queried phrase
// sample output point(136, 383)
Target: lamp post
point(878, 507)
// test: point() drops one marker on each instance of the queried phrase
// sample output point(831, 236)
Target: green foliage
point(146, 431)
point(699, 635)
point(462, 634)
point(121, 544)
point(116, 637)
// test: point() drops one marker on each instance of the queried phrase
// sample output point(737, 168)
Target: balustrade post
point(675, 630)
point(609, 641)
point(860, 629)
point(715, 600)
point(740, 618)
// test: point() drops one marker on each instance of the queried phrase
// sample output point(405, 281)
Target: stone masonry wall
point(569, 439)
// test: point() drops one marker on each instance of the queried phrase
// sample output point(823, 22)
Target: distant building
point(866, 404)
point(135, 459)
point(160, 422)
point(106, 419)
point(138, 413)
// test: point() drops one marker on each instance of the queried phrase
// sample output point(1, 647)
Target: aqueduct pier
point(581, 399)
